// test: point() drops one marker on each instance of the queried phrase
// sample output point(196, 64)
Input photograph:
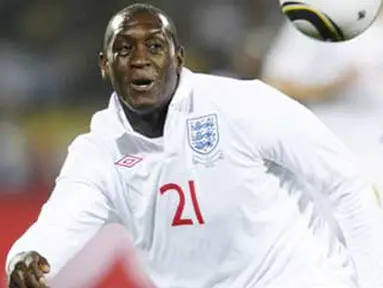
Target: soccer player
point(187, 163)
point(340, 82)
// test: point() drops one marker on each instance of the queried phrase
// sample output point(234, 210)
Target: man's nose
point(140, 57)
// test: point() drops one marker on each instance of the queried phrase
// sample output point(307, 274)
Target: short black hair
point(147, 8)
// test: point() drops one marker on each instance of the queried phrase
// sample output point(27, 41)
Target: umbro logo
point(129, 161)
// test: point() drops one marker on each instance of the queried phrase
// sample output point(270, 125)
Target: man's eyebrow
point(160, 32)
point(122, 35)
point(152, 32)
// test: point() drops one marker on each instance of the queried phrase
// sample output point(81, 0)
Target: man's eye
point(124, 50)
point(155, 47)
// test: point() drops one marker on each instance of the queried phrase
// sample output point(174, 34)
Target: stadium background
point(50, 85)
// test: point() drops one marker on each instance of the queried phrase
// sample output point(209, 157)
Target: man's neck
point(150, 125)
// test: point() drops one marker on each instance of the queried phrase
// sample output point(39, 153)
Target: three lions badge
point(203, 138)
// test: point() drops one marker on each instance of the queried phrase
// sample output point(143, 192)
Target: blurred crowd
point(51, 85)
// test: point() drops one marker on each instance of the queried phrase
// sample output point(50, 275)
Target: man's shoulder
point(220, 82)
point(252, 95)
point(92, 141)
point(225, 85)
point(86, 159)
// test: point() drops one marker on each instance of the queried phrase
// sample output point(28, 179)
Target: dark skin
point(139, 47)
point(143, 63)
point(29, 271)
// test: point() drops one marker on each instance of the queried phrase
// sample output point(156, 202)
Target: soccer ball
point(331, 20)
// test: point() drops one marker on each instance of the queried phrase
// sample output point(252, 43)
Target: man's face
point(142, 61)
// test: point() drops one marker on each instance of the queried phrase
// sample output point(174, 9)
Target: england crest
point(203, 138)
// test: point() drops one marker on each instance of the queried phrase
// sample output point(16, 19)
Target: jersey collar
point(182, 102)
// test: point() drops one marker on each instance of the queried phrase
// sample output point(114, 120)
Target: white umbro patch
point(129, 161)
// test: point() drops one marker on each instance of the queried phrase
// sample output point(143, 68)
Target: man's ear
point(180, 54)
point(103, 65)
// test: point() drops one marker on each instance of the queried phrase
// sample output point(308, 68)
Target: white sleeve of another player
point(296, 58)
point(290, 57)
point(75, 212)
point(297, 140)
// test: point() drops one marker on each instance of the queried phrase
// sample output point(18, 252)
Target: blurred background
point(50, 86)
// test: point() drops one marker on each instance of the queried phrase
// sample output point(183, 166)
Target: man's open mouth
point(142, 84)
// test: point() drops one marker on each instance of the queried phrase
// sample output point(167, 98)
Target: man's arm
point(297, 140)
point(306, 69)
point(77, 209)
point(313, 92)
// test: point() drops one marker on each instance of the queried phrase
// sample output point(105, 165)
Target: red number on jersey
point(178, 220)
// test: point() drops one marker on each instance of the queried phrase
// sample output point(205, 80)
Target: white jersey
point(355, 114)
point(201, 205)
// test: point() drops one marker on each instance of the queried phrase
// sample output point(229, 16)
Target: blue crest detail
point(203, 133)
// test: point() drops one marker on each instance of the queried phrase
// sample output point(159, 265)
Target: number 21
point(178, 220)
